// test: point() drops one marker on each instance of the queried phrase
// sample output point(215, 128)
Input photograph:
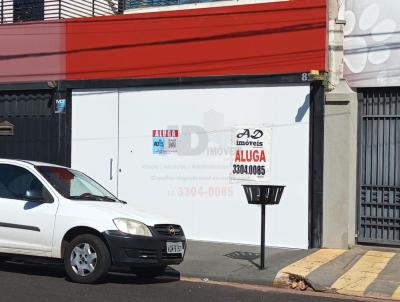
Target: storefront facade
point(151, 100)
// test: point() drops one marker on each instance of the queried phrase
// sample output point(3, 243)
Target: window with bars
point(132, 4)
point(28, 10)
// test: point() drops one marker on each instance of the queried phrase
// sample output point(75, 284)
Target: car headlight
point(132, 227)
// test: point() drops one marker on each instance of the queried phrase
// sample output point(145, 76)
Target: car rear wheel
point(87, 259)
point(149, 272)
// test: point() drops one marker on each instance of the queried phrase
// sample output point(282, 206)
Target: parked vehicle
point(57, 212)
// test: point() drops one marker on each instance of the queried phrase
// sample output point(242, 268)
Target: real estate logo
point(165, 141)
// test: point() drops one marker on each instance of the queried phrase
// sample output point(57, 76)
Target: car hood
point(120, 210)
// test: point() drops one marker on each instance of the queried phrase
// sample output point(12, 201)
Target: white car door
point(26, 227)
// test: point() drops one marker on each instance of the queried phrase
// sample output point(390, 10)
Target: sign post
point(263, 195)
point(252, 168)
point(262, 264)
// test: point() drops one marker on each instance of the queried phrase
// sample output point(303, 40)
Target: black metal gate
point(33, 131)
point(379, 166)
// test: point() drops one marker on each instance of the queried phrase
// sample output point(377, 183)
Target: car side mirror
point(35, 195)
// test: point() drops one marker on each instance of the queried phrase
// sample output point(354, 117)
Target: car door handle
point(111, 168)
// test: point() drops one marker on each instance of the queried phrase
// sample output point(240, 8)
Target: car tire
point(4, 258)
point(149, 272)
point(87, 259)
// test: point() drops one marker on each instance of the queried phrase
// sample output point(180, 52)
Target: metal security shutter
point(379, 164)
point(39, 133)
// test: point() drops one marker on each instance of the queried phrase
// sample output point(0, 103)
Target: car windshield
point(73, 184)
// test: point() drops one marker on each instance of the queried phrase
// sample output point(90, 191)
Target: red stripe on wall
point(32, 52)
point(267, 38)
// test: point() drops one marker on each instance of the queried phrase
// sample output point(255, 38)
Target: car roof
point(30, 162)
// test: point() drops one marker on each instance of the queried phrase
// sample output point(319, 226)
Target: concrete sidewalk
point(238, 263)
point(361, 271)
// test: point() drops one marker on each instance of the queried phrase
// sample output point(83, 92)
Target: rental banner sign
point(251, 160)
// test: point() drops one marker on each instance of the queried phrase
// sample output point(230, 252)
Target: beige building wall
point(340, 142)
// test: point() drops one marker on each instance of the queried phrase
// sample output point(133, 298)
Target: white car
point(56, 212)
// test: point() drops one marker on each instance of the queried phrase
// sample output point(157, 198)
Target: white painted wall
point(194, 189)
point(95, 135)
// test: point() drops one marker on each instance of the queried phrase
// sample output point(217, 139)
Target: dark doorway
point(379, 166)
point(28, 10)
point(38, 133)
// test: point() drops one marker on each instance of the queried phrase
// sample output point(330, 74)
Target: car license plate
point(174, 248)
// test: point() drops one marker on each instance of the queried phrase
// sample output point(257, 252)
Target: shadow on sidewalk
point(249, 256)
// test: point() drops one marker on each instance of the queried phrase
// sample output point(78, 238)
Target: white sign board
point(251, 158)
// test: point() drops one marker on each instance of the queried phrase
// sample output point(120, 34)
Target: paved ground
point(29, 283)
point(361, 271)
point(364, 272)
point(233, 262)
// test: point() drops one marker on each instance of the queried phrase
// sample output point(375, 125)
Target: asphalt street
point(21, 282)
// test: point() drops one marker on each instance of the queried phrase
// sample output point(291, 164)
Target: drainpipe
point(335, 43)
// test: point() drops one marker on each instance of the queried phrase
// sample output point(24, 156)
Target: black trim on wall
point(293, 78)
point(64, 85)
point(26, 86)
point(316, 153)
point(19, 226)
point(68, 129)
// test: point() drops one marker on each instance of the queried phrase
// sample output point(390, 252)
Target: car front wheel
point(87, 259)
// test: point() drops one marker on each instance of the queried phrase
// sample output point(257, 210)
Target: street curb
point(278, 288)
point(204, 278)
point(284, 280)
point(287, 279)
point(281, 280)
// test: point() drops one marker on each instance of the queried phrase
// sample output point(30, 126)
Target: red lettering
point(262, 156)
point(165, 133)
point(255, 155)
point(250, 156)
point(237, 157)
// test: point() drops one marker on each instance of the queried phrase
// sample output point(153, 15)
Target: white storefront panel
point(184, 174)
point(95, 135)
